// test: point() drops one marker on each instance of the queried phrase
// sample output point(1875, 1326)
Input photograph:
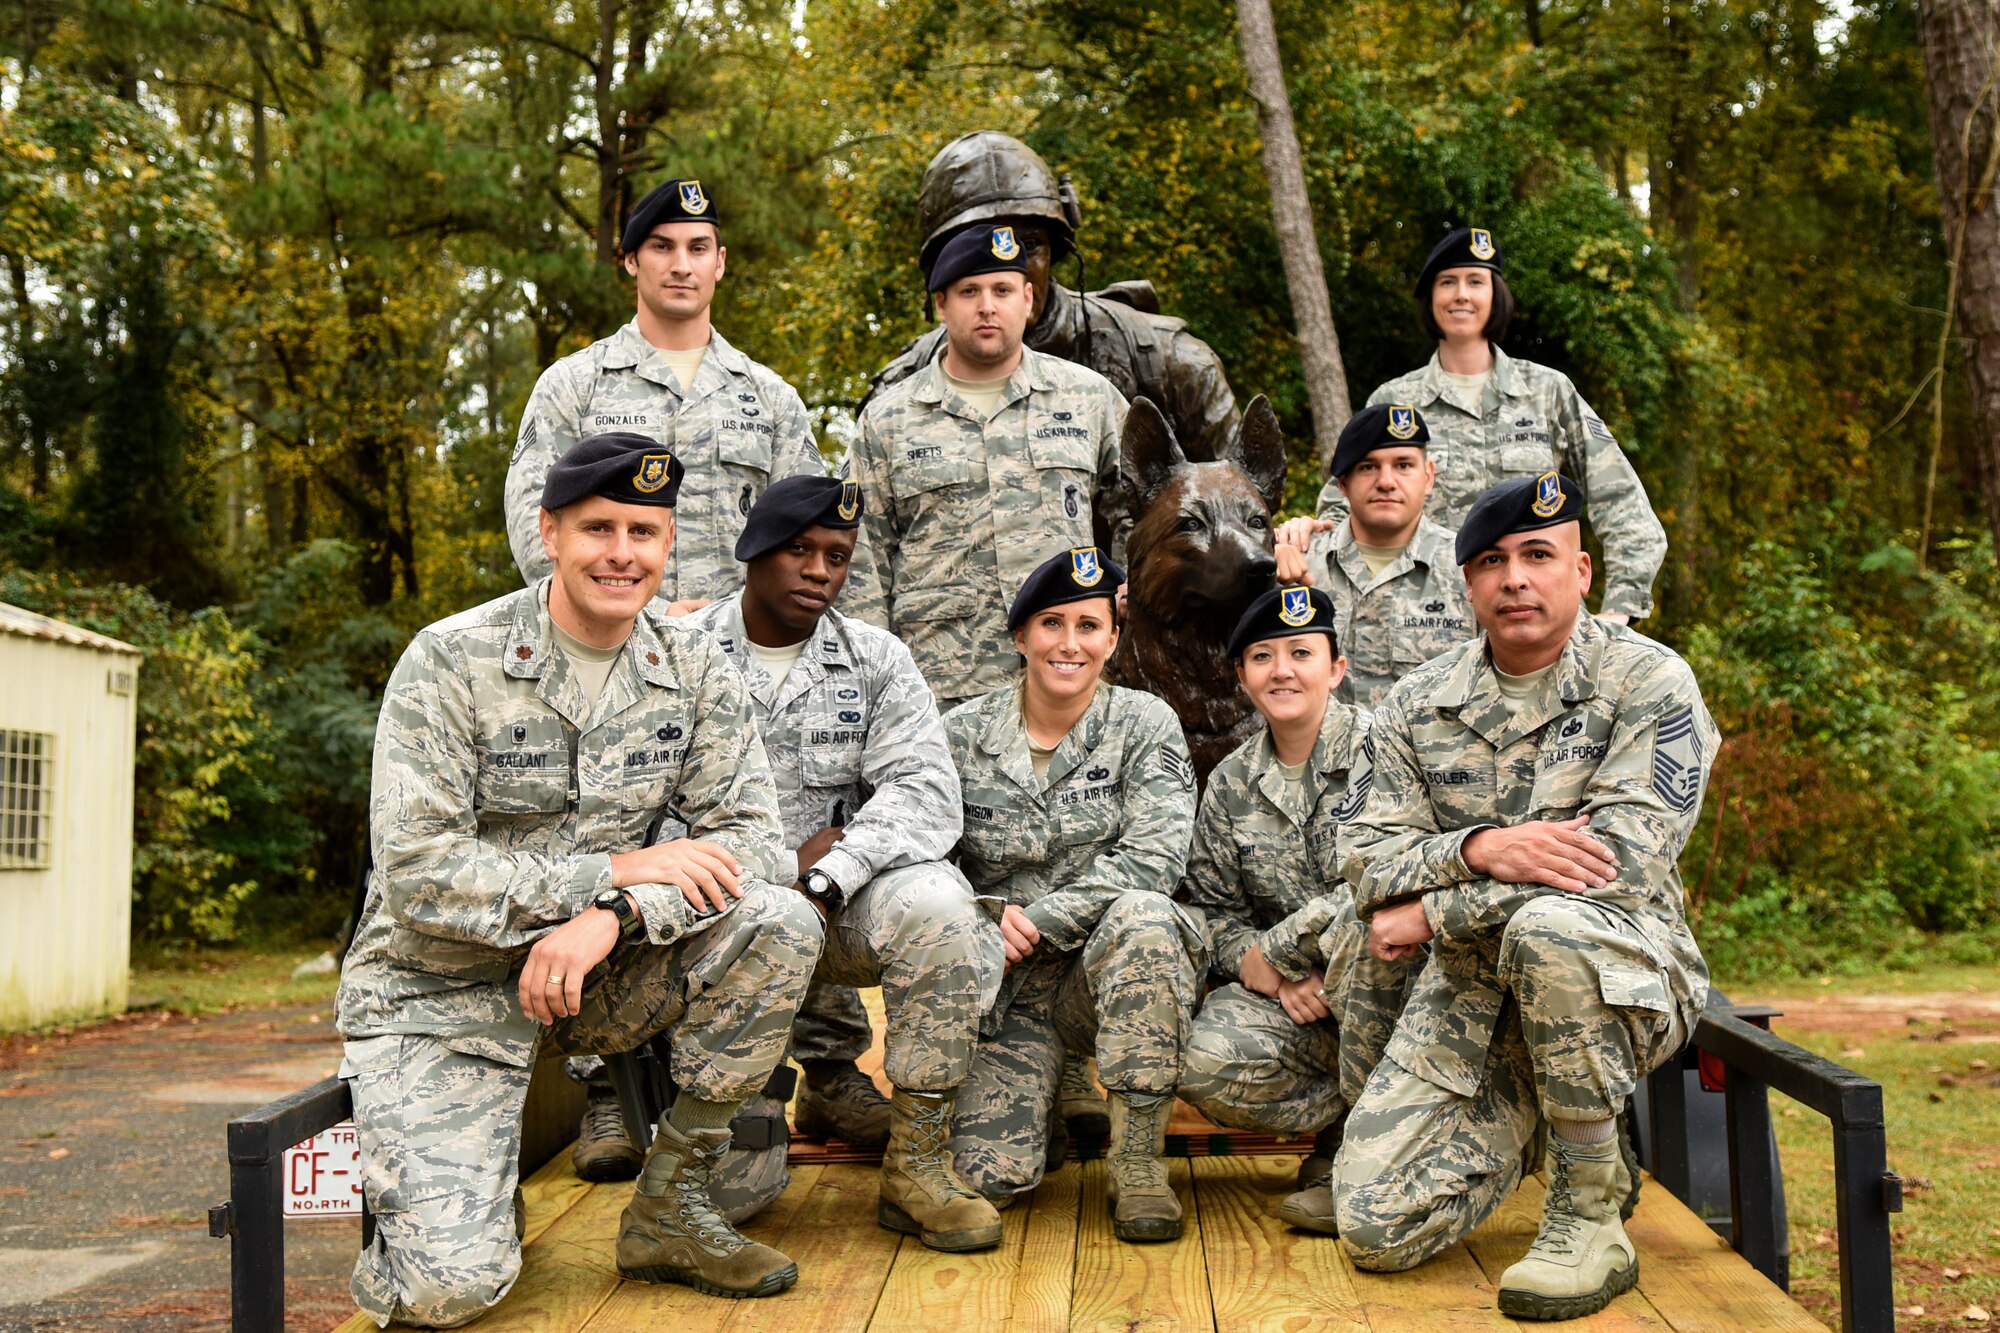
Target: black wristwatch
point(615, 902)
point(820, 887)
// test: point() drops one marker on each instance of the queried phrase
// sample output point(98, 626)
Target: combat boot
point(603, 1150)
point(838, 1101)
point(1581, 1257)
point(1080, 1106)
point(1143, 1206)
point(921, 1195)
point(1626, 1186)
point(1311, 1207)
point(671, 1232)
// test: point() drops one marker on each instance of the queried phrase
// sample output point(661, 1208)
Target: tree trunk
point(1961, 41)
point(610, 172)
point(1292, 218)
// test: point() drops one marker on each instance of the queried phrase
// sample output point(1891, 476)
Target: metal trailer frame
point(1750, 1059)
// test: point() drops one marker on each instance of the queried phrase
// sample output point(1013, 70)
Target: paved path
point(111, 1151)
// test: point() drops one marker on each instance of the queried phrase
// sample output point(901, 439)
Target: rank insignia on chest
point(1548, 494)
point(1083, 567)
point(1004, 244)
point(520, 735)
point(850, 500)
point(694, 200)
point(652, 473)
point(1402, 422)
point(1482, 244)
point(1297, 608)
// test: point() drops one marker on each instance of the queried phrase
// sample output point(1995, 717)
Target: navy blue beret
point(1074, 576)
point(1281, 613)
point(1524, 504)
point(789, 507)
point(1468, 247)
point(619, 465)
point(675, 201)
point(980, 249)
point(1384, 426)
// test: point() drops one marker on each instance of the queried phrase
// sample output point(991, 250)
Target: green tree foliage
point(280, 277)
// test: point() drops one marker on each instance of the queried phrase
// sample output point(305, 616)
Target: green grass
point(214, 980)
point(1943, 1117)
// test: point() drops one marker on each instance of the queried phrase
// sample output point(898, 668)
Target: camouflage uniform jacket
point(1532, 419)
point(736, 430)
point(1266, 864)
point(1113, 815)
point(1388, 625)
point(960, 510)
point(1139, 351)
point(1618, 731)
point(852, 734)
point(498, 800)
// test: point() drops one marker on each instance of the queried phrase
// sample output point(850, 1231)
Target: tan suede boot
point(1581, 1257)
point(1310, 1208)
point(671, 1232)
point(838, 1101)
point(1143, 1206)
point(1079, 1105)
point(603, 1150)
point(921, 1195)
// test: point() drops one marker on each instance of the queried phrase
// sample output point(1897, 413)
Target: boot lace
point(601, 1120)
point(694, 1211)
point(1561, 1226)
point(929, 1160)
point(1135, 1159)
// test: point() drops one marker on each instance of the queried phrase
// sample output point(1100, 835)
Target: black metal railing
point(253, 1214)
point(1752, 1061)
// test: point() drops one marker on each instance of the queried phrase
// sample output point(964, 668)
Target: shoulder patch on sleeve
point(1178, 767)
point(1677, 757)
point(1595, 425)
point(1360, 778)
point(526, 440)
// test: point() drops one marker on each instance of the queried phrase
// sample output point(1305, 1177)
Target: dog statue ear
point(1149, 453)
point(1260, 450)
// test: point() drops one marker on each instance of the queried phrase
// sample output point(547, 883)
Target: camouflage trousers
point(1249, 1066)
point(1587, 1012)
point(1126, 995)
point(440, 1129)
point(916, 932)
point(832, 1025)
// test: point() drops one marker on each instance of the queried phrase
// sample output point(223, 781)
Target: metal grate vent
point(27, 799)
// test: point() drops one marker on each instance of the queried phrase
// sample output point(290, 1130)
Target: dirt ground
point(111, 1151)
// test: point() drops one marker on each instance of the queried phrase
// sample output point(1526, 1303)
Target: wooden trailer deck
point(1059, 1267)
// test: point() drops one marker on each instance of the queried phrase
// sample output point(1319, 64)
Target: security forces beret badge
point(850, 501)
point(1297, 608)
point(652, 473)
point(1548, 495)
point(1402, 422)
point(1085, 572)
point(1004, 244)
point(1482, 244)
point(694, 200)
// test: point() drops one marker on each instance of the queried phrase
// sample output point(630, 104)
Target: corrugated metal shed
point(68, 725)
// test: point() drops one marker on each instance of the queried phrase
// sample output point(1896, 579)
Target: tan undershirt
point(1515, 689)
point(1472, 386)
point(1379, 558)
point(1294, 772)
point(778, 662)
point(591, 664)
point(983, 395)
point(1039, 759)
point(685, 365)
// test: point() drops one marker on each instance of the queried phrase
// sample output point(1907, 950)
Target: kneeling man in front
point(1532, 791)
point(528, 750)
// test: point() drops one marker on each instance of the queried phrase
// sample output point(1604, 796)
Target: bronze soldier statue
point(1119, 332)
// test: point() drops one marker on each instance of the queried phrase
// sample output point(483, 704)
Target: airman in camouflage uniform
point(487, 834)
point(1537, 1003)
point(961, 510)
point(854, 735)
point(736, 429)
point(1092, 853)
point(1394, 622)
point(1524, 420)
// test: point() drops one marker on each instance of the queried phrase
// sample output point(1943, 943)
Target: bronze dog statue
point(1198, 553)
